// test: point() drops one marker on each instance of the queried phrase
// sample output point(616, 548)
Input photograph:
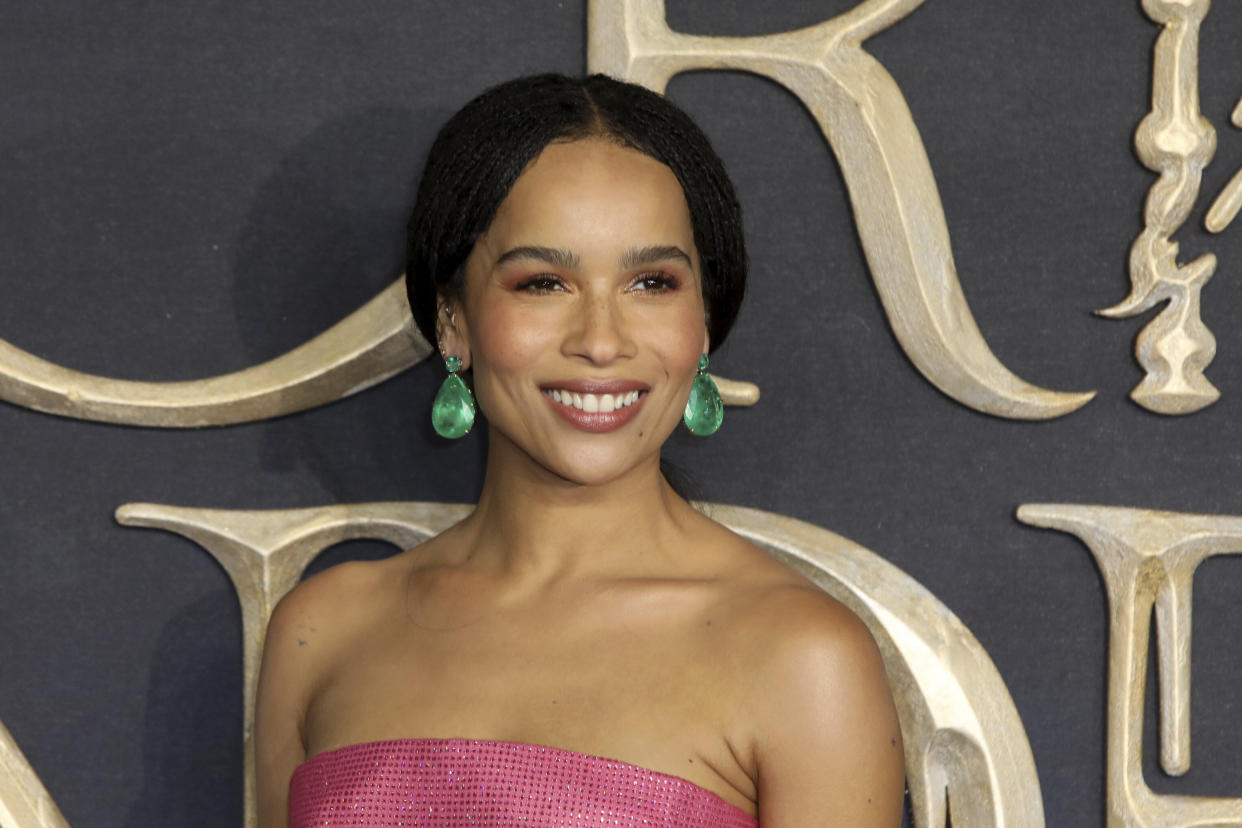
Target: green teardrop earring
point(452, 413)
point(704, 409)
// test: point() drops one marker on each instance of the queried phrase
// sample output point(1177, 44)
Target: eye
point(542, 283)
point(656, 282)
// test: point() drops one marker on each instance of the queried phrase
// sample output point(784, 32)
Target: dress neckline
point(530, 746)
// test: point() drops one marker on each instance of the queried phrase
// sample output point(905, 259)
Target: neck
point(532, 524)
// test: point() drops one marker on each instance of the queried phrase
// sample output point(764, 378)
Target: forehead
point(593, 192)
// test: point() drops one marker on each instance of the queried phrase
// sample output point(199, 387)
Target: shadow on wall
point(326, 233)
point(191, 745)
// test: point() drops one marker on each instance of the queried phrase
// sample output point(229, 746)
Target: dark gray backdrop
point(190, 188)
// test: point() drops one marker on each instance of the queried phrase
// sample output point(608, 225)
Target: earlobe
point(451, 333)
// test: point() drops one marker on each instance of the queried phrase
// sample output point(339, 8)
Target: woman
point(576, 246)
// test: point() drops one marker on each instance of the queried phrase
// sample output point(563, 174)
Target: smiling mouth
point(593, 403)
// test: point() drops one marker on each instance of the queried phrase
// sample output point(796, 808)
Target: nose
point(599, 331)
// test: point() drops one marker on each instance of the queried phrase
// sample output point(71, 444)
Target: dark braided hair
point(482, 150)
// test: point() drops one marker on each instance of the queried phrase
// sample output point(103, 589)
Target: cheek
point(685, 339)
point(505, 339)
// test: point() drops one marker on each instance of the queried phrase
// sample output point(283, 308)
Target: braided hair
point(483, 149)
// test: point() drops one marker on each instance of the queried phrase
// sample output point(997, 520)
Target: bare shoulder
point(327, 601)
point(801, 634)
point(821, 731)
point(777, 601)
point(797, 639)
point(307, 626)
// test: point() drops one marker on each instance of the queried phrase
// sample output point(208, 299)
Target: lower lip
point(597, 422)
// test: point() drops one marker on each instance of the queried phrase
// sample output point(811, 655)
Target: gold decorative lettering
point(375, 342)
point(1225, 208)
point(1148, 559)
point(1176, 141)
point(862, 113)
point(24, 802)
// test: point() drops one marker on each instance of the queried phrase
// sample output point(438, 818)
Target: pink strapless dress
point(451, 782)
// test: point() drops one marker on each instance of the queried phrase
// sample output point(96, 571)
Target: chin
point(596, 468)
point(593, 476)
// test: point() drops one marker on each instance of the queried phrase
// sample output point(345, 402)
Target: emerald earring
point(452, 413)
point(704, 409)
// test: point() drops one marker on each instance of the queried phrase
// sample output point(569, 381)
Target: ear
point(452, 335)
point(707, 340)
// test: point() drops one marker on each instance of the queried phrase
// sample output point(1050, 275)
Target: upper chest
point(616, 650)
point(632, 675)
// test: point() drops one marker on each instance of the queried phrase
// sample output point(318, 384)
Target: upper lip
point(585, 386)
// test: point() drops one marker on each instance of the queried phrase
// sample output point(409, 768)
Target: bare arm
point(827, 745)
point(279, 711)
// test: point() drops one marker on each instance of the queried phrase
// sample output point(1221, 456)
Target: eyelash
point(658, 281)
point(654, 282)
point(543, 283)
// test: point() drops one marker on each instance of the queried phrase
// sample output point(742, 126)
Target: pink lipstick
point(595, 406)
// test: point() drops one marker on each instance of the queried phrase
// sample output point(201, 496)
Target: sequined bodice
point(451, 782)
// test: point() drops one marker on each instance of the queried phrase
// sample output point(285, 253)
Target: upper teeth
point(592, 403)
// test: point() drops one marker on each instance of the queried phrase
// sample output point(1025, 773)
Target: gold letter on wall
point(1148, 559)
point(1176, 141)
point(896, 204)
point(1225, 208)
point(24, 802)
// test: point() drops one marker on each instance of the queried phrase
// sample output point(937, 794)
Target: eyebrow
point(640, 256)
point(553, 256)
point(634, 257)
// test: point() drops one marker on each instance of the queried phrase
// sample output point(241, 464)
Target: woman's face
point(582, 314)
